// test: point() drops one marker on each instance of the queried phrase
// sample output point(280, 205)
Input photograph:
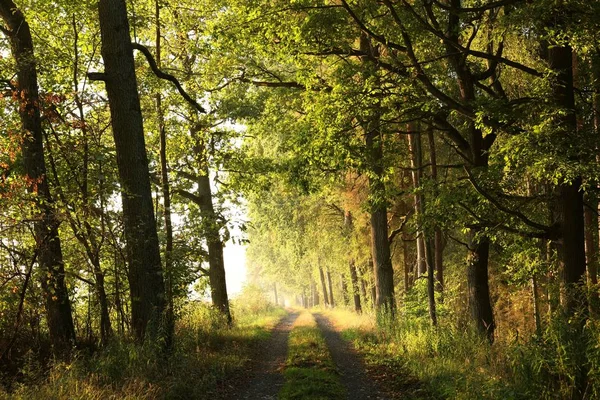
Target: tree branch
point(165, 76)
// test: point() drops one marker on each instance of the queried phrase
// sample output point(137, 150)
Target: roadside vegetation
point(309, 371)
point(206, 355)
point(417, 361)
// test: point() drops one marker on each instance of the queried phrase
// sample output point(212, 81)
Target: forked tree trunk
point(146, 283)
point(50, 258)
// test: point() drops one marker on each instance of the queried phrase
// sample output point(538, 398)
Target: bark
point(145, 275)
point(275, 294)
point(323, 286)
point(50, 258)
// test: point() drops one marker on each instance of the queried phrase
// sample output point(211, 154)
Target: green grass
point(309, 372)
point(421, 362)
point(206, 356)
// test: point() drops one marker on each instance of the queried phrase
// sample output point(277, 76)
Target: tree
point(50, 258)
point(145, 273)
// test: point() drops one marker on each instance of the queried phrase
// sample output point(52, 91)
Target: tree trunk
point(569, 196)
point(344, 287)
point(275, 294)
point(50, 258)
point(363, 286)
point(218, 284)
point(380, 245)
point(349, 227)
point(536, 305)
point(438, 243)
point(323, 286)
point(315, 293)
point(331, 302)
point(414, 145)
point(146, 283)
point(355, 288)
point(477, 282)
point(166, 192)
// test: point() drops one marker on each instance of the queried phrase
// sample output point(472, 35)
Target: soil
point(265, 378)
point(358, 385)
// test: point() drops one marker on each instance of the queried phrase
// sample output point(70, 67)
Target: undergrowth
point(207, 353)
point(450, 362)
point(309, 372)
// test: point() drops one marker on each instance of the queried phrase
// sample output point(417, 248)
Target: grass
point(206, 356)
point(418, 361)
point(309, 371)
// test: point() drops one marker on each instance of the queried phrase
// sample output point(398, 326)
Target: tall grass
point(454, 362)
point(206, 355)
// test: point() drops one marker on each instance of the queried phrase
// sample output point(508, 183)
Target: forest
point(416, 184)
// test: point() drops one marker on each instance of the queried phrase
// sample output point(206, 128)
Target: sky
point(235, 267)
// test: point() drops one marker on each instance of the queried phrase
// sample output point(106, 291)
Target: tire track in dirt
point(353, 376)
point(265, 378)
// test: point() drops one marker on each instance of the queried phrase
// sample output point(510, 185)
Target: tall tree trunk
point(380, 245)
point(344, 287)
point(315, 293)
point(355, 288)
point(331, 302)
point(438, 242)
point(425, 257)
point(145, 275)
point(166, 191)
point(218, 284)
point(407, 263)
point(414, 145)
point(50, 258)
point(477, 282)
point(569, 196)
point(275, 294)
point(536, 304)
point(323, 286)
point(349, 227)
